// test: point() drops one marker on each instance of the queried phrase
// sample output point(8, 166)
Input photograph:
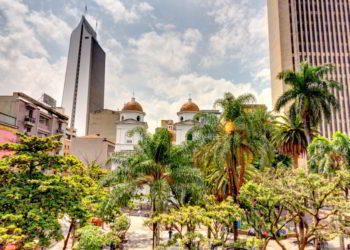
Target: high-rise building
point(316, 31)
point(85, 77)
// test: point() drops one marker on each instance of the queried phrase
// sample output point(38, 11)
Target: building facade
point(314, 31)
point(85, 77)
point(131, 117)
point(103, 122)
point(22, 113)
point(92, 149)
point(186, 121)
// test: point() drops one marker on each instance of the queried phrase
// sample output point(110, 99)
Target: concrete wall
point(103, 122)
point(90, 150)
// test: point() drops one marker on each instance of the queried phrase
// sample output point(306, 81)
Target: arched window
point(122, 118)
point(189, 137)
point(138, 118)
point(182, 118)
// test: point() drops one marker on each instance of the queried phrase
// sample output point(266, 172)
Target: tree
point(309, 95)
point(328, 156)
point(228, 150)
point(34, 193)
point(161, 166)
point(85, 179)
point(315, 203)
point(290, 138)
point(264, 209)
point(187, 222)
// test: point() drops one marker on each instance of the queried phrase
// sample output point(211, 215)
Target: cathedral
point(132, 116)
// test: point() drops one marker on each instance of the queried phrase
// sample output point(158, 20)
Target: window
point(181, 118)
point(30, 113)
point(122, 118)
point(44, 121)
point(189, 137)
point(28, 129)
point(138, 118)
point(128, 141)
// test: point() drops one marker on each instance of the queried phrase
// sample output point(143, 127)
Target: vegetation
point(233, 173)
point(310, 95)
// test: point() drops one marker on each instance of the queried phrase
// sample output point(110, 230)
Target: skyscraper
point(85, 77)
point(316, 31)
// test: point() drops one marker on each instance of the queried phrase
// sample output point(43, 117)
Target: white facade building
point(186, 121)
point(131, 117)
point(84, 83)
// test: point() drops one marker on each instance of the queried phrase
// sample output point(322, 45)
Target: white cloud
point(120, 12)
point(241, 36)
point(50, 27)
point(169, 51)
point(24, 61)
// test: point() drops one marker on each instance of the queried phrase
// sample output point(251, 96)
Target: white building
point(186, 121)
point(84, 83)
point(131, 117)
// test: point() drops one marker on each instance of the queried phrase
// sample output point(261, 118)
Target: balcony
point(60, 131)
point(29, 121)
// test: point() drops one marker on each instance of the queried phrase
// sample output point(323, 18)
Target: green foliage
point(188, 223)
point(328, 156)
point(91, 238)
point(37, 187)
point(310, 94)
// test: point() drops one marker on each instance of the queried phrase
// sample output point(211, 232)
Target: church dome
point(132, 106)
point(189, 107)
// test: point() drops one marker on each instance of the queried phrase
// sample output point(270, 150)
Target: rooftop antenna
point(133, 94)
point(189, 96)
point(96, 24)
point(85, 10)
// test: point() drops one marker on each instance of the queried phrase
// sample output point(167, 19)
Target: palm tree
point(329, 155)
point(228, 145)
point(310, 94)
point(289, 137)
point(164, 168)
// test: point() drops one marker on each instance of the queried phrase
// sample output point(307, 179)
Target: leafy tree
point(227, 150)
point(161, 166)
point(328, 156)
point(91, 238)
point(310, 95)
point(264, 210)
point(86, 180)
point(187, 221)
point(290, 138)
point(34, 193)
point(222, 217)
point(315, 203)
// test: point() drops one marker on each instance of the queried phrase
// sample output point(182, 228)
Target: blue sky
point(160, 49)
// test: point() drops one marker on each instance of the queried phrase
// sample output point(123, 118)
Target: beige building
point(103, 122)
point(316, 31)
point(92, 149)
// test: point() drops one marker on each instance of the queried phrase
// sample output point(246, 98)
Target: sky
point(163, 50)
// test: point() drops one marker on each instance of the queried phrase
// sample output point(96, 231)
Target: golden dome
point(189, 107)
point(132, 106)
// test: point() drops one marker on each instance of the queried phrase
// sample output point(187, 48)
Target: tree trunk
point(295, 161)
point(73, 235)
point(68, 234)
point(307, 130)
point(281, 245)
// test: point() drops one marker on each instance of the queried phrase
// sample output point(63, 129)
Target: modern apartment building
point(85, 77)
point(21, 113)
point(317, 31)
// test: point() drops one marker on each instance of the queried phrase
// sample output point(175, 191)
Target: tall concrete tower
point(85, 77)
point(316, 31)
